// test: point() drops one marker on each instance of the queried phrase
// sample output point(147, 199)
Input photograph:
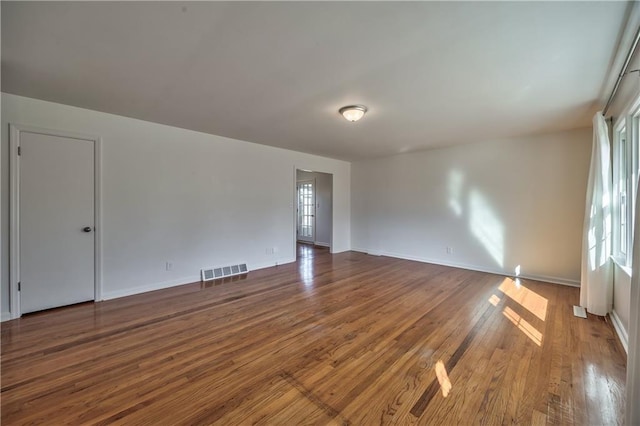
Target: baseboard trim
point(322, 244)
point(620, 331)
point(5, 316)
point(279, 262)
point(338, 249)
point(543, 278)
point(108, 295)
point(370, 252)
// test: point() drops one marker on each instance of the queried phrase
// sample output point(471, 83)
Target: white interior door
point(306, 211)
point(56, 221)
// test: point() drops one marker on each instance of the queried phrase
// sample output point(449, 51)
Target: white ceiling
point(431, 73)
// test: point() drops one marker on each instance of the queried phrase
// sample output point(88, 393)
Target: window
point(620, 191)
point(625, 176)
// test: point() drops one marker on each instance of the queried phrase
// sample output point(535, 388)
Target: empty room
point(320, 212)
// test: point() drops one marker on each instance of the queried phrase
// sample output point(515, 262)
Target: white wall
point(170, 194)
point(324, 190)
point(497, 205)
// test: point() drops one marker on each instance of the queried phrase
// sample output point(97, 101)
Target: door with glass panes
point(306, 211)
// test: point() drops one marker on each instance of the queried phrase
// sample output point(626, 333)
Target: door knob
point(86, 229)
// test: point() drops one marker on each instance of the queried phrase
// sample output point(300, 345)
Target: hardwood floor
point(331, 339)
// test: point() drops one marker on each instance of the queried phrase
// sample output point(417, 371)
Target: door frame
point(15, 131)
point(294, 204)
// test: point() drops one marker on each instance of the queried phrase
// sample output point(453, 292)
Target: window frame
point(625, 170)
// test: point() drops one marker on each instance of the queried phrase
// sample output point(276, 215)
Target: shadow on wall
point(483, 222)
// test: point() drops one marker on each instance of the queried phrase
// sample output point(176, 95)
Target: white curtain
point(633, 357)
point(596, 286)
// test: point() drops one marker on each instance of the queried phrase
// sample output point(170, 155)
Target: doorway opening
point(314, 212)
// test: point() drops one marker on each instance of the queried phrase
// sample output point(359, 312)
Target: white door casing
point(55, 219)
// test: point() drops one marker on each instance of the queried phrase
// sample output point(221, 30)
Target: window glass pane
point(633, 171)
point(620, 228)
point(626, 170)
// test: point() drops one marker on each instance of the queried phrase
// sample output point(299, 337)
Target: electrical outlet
point(449, 250)
point(169, 266)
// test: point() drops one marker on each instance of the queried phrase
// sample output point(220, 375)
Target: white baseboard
point(543, 278)
point(255, 267)
point(318, 243)
point(552, 280)
point(371, 252)
point(108, 295)
point(5, 316)
point(620, 330)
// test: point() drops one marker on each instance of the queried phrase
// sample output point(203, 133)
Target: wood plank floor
point(331, 339)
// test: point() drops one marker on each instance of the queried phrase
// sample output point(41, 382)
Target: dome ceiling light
point(353, 112)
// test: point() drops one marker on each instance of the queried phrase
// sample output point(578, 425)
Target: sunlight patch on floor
point(528, 299)
point(443, 378)
point(523, 325)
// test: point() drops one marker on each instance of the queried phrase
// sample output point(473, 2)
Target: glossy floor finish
point(331, 339)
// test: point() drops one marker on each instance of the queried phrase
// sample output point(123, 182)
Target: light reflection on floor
point(595, 381)
point(306, 253)
point(494, 300)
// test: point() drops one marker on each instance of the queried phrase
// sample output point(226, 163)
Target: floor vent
point(579, 311)
point(223, 271)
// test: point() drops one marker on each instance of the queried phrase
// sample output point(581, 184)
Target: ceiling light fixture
point(353, 112)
